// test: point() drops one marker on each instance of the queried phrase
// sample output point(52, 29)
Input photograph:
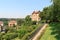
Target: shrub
point(10, 36)
point(21, 33)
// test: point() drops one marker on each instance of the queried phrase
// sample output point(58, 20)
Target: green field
point(52, 32)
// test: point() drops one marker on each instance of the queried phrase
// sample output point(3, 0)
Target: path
point(39, 32)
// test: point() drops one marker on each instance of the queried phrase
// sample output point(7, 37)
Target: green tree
point(46, 14)
point(56, 10)
point(28, 20)
point(20, 21)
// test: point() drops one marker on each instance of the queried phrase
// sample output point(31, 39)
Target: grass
point(52, 32)
point(47, 35)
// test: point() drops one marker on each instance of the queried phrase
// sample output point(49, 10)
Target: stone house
point(12, 23)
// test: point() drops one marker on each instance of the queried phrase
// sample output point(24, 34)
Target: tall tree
point(56, 10)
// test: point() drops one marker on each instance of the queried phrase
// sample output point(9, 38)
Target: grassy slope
point(47, 35)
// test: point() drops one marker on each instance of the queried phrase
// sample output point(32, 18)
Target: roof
point(35, 12)
point(12, 21)
point(1, 22)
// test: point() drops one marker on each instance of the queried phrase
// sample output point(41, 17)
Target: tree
point(46, 14)
point(56, 10)
point(5, 20)
point(20, 21)
point(52, 12)
point(28, 20)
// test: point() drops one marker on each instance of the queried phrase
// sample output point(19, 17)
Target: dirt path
point(39, 32)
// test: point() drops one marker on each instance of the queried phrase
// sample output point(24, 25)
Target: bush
point(1, 36)
point(34, 22)
point(10, 36)
point(29, 35)
point(21, 32)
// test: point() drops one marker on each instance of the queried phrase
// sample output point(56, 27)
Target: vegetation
point(25, 28)
point(20, 21)
point(20, 33)
point(52, 32)
point(51, 15)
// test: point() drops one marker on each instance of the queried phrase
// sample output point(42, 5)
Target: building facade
point(35, 16)
point(1, 26)
point(12, 23)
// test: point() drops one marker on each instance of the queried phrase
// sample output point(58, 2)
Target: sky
point(21, 8)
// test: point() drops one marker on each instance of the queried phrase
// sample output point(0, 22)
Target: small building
point(35, 16)
point(1, 23)
point(12, 23)
point(1, 26)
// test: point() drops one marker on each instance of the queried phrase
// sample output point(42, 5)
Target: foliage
point(29, 34)
point(28, 20)
point(46, 14)
point(52, 32)
point(34, 22)
point(20, 22)
point(10, 36)
point(47, 35)
point(25, 29)
point(51, 12)
point(56, 10)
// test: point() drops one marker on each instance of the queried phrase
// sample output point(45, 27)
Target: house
point(12, 23)
point(35, 16)
point(1, 23)
point(1, 26)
